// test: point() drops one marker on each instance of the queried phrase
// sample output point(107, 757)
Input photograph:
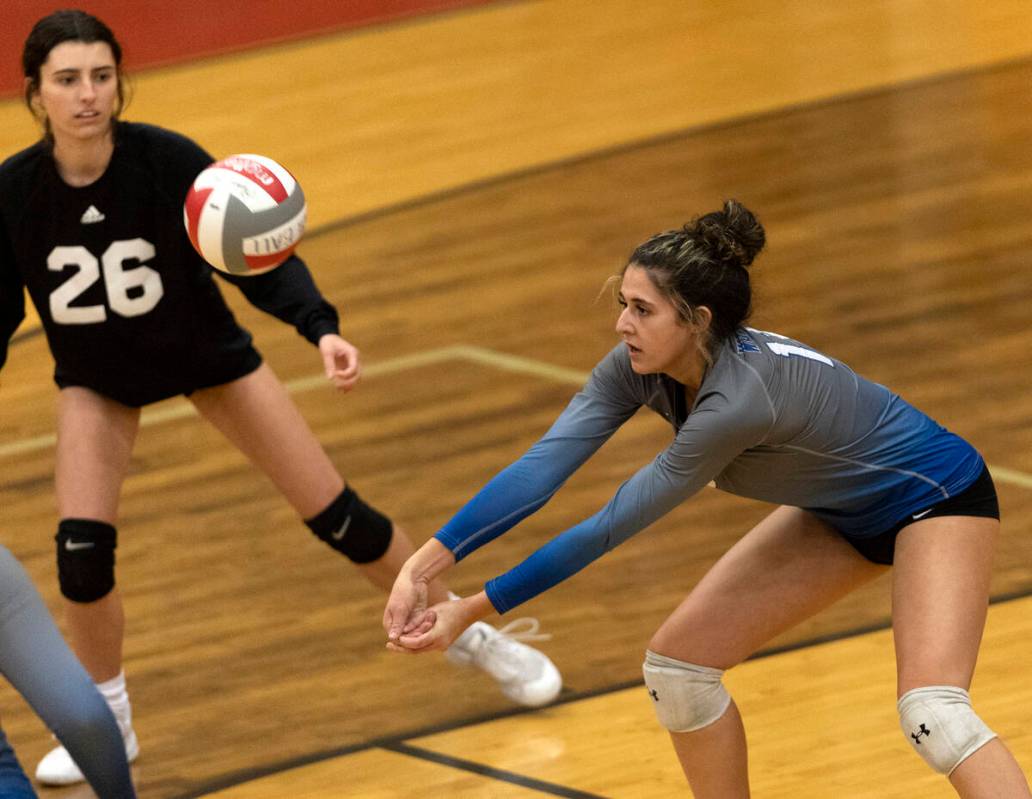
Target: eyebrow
point(76, 70)
point(637, 300)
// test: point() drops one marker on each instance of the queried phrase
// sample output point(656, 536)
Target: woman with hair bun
point(863, 480)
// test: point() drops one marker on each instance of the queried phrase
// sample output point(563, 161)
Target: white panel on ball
point(245, 214)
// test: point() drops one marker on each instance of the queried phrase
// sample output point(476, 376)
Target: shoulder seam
point(766, 394)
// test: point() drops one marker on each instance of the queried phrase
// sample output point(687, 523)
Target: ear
point(703, 317)
point(31, 91)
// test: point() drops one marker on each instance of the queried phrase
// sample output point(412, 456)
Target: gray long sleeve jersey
point(773, 420)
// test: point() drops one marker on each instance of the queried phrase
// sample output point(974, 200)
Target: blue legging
point(13, 782)
point(36, 661)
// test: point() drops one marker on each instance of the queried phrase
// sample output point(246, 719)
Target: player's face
point(78, 89)
point(657, 338)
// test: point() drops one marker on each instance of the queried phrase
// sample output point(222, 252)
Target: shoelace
point(503, 653)
point(530, 633)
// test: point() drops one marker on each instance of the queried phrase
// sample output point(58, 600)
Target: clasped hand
point(413, 627)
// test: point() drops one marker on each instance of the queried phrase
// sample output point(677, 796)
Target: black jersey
point(129, 308)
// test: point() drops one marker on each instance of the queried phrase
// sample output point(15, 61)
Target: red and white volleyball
point(245, 214)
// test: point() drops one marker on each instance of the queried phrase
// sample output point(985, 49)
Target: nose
point(623, 322)
point(88, 90)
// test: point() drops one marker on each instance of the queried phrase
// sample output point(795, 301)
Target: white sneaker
point(58, 768)
point(525, 675)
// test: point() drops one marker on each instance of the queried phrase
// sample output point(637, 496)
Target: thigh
point(940, 596)
point(95, 437)
point(788, 567)
point(258, 416)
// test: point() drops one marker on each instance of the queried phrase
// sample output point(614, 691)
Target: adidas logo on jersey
point(91, 216)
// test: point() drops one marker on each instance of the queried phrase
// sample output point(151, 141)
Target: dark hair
point(69, 25)
point(706, 263)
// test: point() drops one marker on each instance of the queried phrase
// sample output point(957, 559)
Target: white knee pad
point(686, 697)
point(941, 726)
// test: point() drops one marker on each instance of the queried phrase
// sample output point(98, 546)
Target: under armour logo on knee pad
point(693, 696)
point(959, 732)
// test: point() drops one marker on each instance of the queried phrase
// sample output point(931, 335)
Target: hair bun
point(734, 233)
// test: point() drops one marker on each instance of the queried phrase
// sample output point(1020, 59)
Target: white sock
point(117, 697)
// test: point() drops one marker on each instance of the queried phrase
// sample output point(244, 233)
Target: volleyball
point(245, 214)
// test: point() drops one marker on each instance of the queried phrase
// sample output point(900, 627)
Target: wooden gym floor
point(473, 178)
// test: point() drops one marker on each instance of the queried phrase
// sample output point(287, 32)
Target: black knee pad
point(85, 559)
point(353, 528)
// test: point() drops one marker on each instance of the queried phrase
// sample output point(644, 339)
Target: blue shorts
point(978, 499)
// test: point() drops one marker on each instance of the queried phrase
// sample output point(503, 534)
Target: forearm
point(560, 558)
point(289, 293)
point(647, 496)
point(519, 490)
point(429, 562)
point(524, 486)
point(477, 607)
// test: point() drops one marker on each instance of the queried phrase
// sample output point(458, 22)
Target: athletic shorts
point(175, 378)
point(978, 499)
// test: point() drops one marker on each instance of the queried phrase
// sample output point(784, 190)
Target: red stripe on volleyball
point(268, 261)
point(258, 173)
point(195, 200)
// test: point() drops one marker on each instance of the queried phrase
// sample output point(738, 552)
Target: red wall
point(164, 31)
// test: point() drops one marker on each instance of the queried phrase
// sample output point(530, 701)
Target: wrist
point(476, 607)
point(430, 561)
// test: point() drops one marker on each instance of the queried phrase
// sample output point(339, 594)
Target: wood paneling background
point(473, 180)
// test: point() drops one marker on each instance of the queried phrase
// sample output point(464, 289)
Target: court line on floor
point(182, 408)
point(550, 788)
point(465, 352)
point(567, 697)
point(628, 146)
point(1002, 474)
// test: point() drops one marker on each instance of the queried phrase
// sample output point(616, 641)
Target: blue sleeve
point(716, 432)
point(593, 415)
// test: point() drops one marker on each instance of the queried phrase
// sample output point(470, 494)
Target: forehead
point(637, 284)
point(79, 56)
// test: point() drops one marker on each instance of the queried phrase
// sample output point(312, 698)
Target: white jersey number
point(133, 289)
point(788, 350)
